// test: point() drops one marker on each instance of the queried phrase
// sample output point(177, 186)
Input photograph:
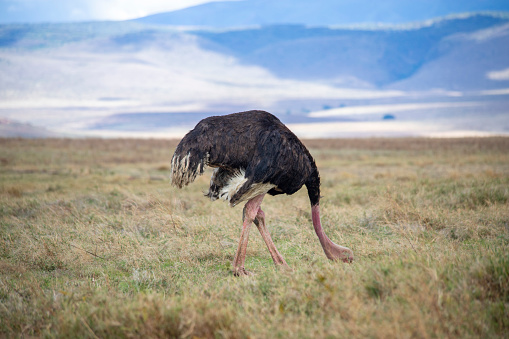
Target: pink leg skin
point(274, 253)
point(332, 250)
point(250, 212)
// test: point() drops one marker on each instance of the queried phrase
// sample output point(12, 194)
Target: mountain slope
point(318, 12)
point(352, 57)
point(14, 129)
point(465, 62)
point(337, 56)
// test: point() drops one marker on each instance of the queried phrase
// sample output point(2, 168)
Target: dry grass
point(95, 243)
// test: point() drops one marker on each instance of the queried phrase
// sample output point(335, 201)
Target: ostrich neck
point(332, 251)
point(317, 224)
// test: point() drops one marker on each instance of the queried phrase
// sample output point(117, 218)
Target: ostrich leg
point(274, 253)
point(249, 215)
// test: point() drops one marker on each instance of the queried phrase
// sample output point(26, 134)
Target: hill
point(361, 57)
point(371, 56)
point(14, 129)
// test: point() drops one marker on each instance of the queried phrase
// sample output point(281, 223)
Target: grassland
point(95, 243)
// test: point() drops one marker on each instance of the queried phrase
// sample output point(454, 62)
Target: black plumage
point(253, 153)
point(256, 142)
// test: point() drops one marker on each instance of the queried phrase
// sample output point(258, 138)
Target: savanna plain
point(95, 242)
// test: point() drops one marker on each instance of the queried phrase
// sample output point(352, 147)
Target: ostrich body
point(252, 153)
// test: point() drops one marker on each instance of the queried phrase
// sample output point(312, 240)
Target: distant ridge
point(386, 55)
point(14, 129)
point(437, 53)
point(443, 53)
point(317, 13)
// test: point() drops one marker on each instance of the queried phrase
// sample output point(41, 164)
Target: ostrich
point(253, 153)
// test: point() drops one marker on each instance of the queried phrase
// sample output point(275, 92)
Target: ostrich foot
point(284, 268)
point(241, 271)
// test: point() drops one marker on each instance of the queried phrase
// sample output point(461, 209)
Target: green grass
point(94, 242)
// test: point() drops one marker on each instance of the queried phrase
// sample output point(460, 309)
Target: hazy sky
point(37, 11)
point(85, 10)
